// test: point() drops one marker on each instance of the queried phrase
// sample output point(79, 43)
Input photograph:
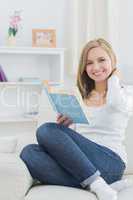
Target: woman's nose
point(96, 66)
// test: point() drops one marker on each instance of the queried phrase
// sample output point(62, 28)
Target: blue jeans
point(64, 157)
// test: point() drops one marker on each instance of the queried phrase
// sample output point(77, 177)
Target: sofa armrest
point(15, 179)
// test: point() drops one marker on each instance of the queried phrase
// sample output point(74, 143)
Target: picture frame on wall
point(44, 38)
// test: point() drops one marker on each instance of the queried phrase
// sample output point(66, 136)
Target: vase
point(11, 41)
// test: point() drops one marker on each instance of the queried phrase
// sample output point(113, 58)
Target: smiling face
point(99, 65)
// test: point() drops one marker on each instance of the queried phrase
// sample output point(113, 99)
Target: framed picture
point(43, 38)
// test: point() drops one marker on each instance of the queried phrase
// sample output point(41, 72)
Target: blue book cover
point(68, 105)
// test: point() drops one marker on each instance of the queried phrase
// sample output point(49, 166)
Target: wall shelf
point(33, 61)
point(15, 83)
point(18, 97)
point(4, 119)
point(31, 50)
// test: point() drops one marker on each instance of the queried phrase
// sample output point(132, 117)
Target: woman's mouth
point(98, 73)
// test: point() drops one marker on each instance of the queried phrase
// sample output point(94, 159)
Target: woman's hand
point(116, 72)
point(62, 119)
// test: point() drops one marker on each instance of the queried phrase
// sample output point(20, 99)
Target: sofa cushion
point(50, 192)
point(129, 138)
point(15, 179)
point(8, 144)
point(128, 144)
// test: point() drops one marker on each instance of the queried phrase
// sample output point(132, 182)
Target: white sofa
point(17, 184)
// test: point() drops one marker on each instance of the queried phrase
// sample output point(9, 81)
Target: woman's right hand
point(64, 120)
point(116, 72)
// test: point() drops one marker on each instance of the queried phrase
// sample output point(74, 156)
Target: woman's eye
point(89, 63)
point(102, 60)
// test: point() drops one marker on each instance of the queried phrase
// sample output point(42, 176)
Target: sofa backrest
point(129, 146)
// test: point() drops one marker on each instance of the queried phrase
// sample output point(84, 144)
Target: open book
point(68, 105)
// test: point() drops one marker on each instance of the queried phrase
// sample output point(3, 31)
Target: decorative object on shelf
point(30, 79)
point(43, 38)
point(13, 28)
point(31, 114)
point(11, 40)
point(2, 75)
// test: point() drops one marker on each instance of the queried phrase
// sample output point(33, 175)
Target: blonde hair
point(84, 82)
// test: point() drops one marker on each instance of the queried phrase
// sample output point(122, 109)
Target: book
point(3, 77)
point(68, 105)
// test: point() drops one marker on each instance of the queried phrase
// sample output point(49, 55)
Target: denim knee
point(27, 152)
point(44, 132)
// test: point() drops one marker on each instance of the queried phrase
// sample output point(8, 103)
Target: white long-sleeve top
point(107, 123)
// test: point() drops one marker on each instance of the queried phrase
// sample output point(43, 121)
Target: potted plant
point(13, 27)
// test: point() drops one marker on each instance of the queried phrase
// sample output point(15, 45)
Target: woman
point(97, 159)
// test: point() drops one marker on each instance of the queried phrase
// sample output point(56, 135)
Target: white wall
point(122, 29)
point(120, 33)
point(126, 38)
point(35, 14)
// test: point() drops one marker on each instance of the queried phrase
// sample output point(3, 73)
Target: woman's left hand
point(62, 119)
